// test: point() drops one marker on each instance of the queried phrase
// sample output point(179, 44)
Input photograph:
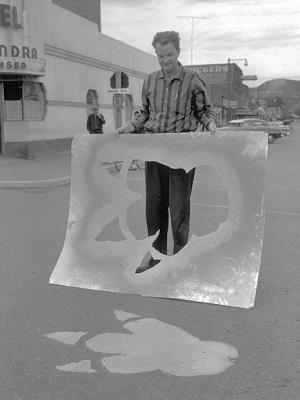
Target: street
point(33, 224)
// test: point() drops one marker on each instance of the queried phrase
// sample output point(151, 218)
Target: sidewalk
point(52, 170)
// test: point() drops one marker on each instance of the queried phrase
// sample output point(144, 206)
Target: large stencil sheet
point(221, 267)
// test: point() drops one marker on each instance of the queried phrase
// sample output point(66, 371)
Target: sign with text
point(119, 80)
point(124, 91)
point(9, 17)
point(214, 73)
point(209, 69)
point(22, 66)
point(18, 51)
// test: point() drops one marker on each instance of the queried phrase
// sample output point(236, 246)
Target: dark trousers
point(168, 188)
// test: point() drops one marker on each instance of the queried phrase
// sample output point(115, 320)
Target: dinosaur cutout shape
point(221, 267)
point(152, 345)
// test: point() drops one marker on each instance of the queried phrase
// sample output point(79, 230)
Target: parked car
point(285, 128)
point(288, 122)
point(254, 124)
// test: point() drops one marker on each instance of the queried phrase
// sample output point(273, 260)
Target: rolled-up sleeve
point(144, 115)
point(102, 119)
point(202, 105)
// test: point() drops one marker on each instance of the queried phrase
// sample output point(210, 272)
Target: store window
point(13, 100)
point(33, 101)
point(24, 101)
point(91, 99)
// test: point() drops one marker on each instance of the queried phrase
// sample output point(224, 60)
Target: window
point(249, 123)
point(259, 123)
point(91, 99)
point(13, 91)
point(13, 100)
point(24, 101)
point(33, 101)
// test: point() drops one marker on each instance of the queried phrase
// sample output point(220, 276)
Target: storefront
point(54, 65)
point(225, 88)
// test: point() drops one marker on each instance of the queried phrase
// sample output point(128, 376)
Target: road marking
point(153, 345)
point(81, 366)
point(66, 337)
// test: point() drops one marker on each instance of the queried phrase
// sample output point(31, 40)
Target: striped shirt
point(175, 106)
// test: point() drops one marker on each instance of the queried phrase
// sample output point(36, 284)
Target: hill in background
point(286, 89)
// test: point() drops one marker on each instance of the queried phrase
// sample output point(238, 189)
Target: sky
point(266, 32)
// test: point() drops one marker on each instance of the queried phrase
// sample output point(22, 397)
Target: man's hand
point(212, 127)
point(125, 129)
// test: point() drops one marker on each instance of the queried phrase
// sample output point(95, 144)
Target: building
point(225, 87)
point(268, 104)
point(54, 64)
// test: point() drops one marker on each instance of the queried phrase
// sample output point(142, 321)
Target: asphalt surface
point(33, 223)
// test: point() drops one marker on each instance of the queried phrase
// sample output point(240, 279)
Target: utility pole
point(192, 21)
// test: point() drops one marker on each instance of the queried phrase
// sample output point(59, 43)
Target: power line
point(192, 20)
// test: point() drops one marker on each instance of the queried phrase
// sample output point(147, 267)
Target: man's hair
point(167, 37)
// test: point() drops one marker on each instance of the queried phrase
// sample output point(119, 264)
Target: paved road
point(267, 337)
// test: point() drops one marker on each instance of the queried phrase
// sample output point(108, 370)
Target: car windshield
point(255, 123)
point(235, 123)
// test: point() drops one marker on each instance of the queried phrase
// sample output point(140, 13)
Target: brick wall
point(89, 9)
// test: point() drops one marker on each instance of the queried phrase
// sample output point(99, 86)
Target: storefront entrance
point(22, 99)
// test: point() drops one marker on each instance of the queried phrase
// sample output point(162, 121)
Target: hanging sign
point(9, 65)
point(9, 17)
point(18, 51)
point(124, 91)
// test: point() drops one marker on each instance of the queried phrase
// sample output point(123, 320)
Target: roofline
point(126, 44)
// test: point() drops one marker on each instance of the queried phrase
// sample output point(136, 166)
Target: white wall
point(66, 30)
point(69, 81)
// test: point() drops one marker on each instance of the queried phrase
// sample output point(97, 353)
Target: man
point(174, 100)
point(95, 121)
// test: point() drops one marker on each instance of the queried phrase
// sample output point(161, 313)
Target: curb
point(45, 183)
point(35, 184)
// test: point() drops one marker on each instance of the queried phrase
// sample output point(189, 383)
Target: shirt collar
point(178, 76)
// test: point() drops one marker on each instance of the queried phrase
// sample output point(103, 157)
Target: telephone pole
point(192, 21)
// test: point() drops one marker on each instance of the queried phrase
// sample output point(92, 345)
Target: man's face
point(167, 56)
